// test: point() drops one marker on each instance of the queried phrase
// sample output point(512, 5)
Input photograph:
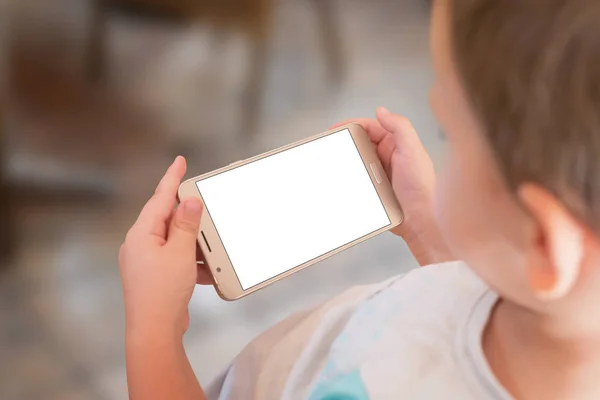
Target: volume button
point(375, 172)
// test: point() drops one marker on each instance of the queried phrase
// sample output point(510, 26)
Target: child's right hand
point(411, 172)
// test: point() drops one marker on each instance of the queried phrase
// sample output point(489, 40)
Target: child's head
point(518, 94)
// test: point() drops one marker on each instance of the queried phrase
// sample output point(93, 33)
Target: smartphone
point(272, 215)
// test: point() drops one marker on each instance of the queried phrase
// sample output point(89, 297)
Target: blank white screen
point(281, 211)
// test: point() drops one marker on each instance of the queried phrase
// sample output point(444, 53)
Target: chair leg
point(253, 93)
point(95, 52)
point(7, 219)
point(331, 40)
point(8, 231)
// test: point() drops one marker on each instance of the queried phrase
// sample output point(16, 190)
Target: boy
point(518, 94)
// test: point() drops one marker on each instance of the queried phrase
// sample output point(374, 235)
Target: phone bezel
point(225, 279)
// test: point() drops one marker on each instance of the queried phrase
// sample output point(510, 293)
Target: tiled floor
point(61, 324)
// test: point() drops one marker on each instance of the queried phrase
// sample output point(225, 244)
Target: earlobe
point(557, 249)
point(541, 274)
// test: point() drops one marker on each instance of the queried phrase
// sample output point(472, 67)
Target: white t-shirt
point(416, 336)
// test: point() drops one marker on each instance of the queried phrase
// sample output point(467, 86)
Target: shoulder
point(436, 296)
point(400, 342)
point(436, 283)
point(456, 272)
point(406, 324)
point(434, 300)
point(437, 293)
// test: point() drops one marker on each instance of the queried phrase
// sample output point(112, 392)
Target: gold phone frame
point(224, 277)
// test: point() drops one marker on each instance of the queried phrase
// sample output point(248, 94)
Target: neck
point(537, 356)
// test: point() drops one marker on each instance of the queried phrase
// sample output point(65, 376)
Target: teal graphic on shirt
point(348, 386)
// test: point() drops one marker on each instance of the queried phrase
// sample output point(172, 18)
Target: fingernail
point(193, 206)
point(384, 110)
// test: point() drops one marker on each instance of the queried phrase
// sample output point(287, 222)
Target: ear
point(556, 251)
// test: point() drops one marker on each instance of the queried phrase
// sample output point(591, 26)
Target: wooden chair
point(249, 16)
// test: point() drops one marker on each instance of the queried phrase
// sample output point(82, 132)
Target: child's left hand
point(158, 260)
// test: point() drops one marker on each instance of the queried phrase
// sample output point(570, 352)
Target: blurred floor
point(61, 317)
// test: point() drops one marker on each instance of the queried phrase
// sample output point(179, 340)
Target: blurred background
point(96, 99)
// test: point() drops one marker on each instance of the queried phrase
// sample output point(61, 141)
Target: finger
point(204, 276)
point(385, 150)
point(199, 255)
point(374, 129)
point(186, 320)
point(400, 127)
point(348, 121)
point(183, 230)
point(154, 217)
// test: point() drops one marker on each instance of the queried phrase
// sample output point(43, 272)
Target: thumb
point(183, 230)
point(399, 126)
